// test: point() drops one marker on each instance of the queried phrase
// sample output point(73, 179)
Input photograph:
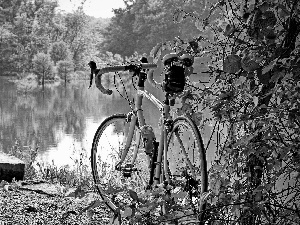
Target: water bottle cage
point(148, 138)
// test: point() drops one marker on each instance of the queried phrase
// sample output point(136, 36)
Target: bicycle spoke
point(108, 145)
point(185, 152)
point(188, 162)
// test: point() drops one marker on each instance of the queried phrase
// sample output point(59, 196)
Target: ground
point(28, 204)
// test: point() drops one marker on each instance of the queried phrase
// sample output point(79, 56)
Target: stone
point(11, 167)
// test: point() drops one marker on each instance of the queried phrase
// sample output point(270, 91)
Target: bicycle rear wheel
point(108, 145)
point(186, 163)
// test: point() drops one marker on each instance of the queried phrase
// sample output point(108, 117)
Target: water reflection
point(61, 118)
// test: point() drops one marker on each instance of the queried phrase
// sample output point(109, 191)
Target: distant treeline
point(36, 31)
point(31, 27)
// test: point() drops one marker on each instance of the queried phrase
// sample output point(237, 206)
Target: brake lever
point(91, 79)
point(94, 70)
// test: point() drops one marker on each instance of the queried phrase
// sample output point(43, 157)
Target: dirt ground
point(41, 204)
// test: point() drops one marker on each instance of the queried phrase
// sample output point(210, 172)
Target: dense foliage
point(253, 51)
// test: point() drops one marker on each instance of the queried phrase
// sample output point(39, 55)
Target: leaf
point(168, 45)
point(241, 80)
point(270, 18)
point(216, 187)
point(92, 205)
point(232, 64)
point(294, 174)
point(6, 187)
point(263, 78)
point(270, 66)
point(264, 7)
point(283, 12)
point(179, 15)
point(3, 183)
point(188, 71)
point(258, 196)
point(116, 219)
point(204, 196)
point(260, 188)
point(156, 51)
point(199, 25)
point(276, 76)
point(248, 174)
point(236, 210)
point(255, 100)
point(248, 64)
point(214, 200)
point(197, 118)
point(180, 195)
point(133, 195)
point(179, 214)
point(78, 192)
point(229, 30)
point(128, 212)
point(90, 213)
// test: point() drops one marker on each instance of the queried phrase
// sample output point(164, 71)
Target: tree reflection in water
point(42, 119)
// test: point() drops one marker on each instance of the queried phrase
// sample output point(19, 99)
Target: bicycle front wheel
point(108, 146)
point(186, 161)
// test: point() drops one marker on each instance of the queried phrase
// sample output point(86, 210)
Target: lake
point(61, 120)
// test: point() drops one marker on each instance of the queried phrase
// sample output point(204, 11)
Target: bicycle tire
point(101, 143)
point(197, 150)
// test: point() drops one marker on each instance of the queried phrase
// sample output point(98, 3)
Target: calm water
point(61, 120)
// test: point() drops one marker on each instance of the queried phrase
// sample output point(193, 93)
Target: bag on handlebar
point(174, 79)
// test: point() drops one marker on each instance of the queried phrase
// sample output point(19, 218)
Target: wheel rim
point(108, 144)
point(183, 150)
point(185, 163)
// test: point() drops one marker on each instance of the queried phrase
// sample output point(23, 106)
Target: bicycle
point(137, 162)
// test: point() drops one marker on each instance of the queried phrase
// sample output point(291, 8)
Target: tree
point(59, 51)
point(77, 36)
point(30, 27)
point(43, 66)
point(119, 37)
point(42, 26)
point(144, 23)
point(64, 68)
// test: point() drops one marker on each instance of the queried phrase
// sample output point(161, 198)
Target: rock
point(11, 167)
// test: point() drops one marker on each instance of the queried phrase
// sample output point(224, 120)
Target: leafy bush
point(251, 50)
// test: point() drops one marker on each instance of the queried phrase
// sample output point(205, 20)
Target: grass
point(78, 175)
point(75, 202)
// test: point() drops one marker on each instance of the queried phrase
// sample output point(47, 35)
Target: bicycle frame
point(164, 108)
